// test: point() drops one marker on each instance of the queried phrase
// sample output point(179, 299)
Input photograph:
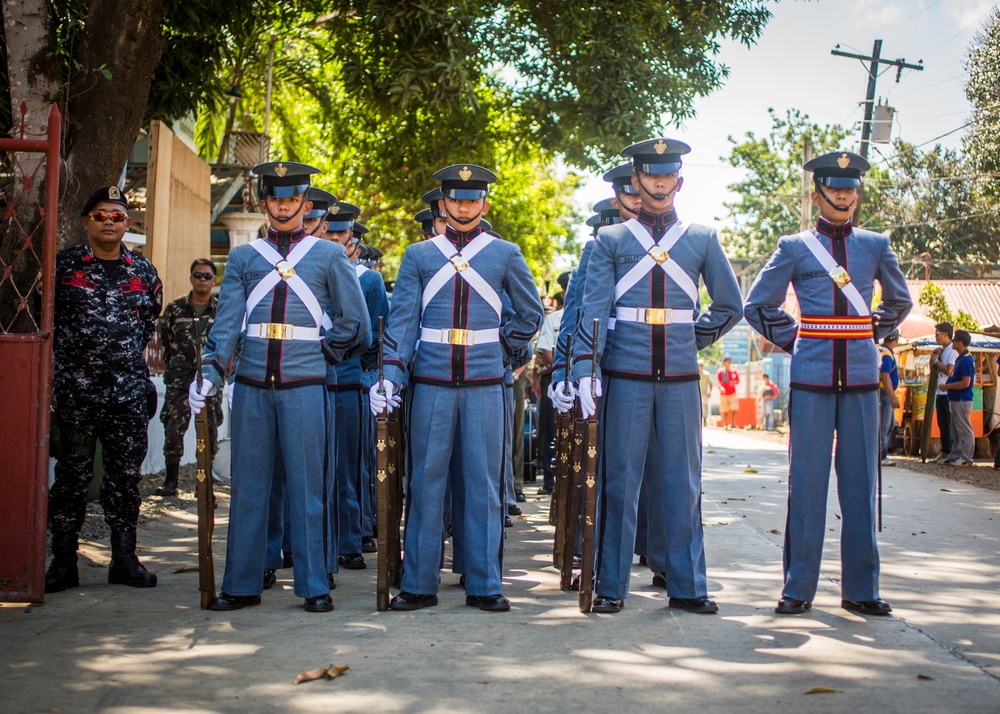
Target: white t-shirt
point(549, 333)
point(948, 356)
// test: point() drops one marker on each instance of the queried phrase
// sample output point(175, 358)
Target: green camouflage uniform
point(178, 337)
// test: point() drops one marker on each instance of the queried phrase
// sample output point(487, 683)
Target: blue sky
point(791, 67)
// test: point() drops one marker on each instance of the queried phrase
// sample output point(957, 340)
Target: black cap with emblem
point(621, 178)
point(656, 156)
point(594, 222)
point(838, 169)
point(283, 179)
point(426, 220)
point(321, 201)
point(358, 230)
point(108, 194)
point(465, 182)
point(608, 214)
point(431, 198)
point(340, 216)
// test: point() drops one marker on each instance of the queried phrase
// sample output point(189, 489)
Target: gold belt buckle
point(458, 337)
point(276, 331)
point(655, 315)
point(459, 262)
point(840, 276)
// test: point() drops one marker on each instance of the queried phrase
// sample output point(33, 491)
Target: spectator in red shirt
point(728, 378)
point(768, 395)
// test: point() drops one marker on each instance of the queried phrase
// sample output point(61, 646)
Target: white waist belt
point(459, 337)
point(279, 331)
point(654, 315)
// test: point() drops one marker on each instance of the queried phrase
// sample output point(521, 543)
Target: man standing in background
point(728, 378)
point(943, 358)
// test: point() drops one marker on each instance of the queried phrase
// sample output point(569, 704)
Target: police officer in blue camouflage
point(647, 272)
point(834, 380)
point(447, 296)
point(107, 300)
point(275, 293)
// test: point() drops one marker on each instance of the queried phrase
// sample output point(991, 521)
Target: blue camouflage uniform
point(834, 383)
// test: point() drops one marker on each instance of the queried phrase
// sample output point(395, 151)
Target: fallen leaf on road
point(822, 690)
point(749, 471)
point(487, 682)
point(331, 672)
point(946, 490)
point(187, 569)
point(710, 451)
point(837, 516)
point(924, 676)
point(775, 531)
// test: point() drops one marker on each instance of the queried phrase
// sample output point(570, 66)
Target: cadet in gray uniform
point(834, 380)
point(275, 293)
point(447, 296)
point(648, 269)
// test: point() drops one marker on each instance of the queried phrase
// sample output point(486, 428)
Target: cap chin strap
point(463, 221)
point(850, 206)
point(658, 196)
point(623, 208)
point(302, 204)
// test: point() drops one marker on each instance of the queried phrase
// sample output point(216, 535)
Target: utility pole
point(805, 221)
point(875, 62)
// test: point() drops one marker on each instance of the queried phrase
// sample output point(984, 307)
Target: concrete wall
point(178, 209)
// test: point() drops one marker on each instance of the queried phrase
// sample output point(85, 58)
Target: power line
point(903, 22)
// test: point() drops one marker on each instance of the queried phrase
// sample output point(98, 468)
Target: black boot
point(169, 487)
point(125, 568)
point(62, 572)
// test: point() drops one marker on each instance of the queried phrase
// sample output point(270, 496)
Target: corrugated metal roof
point(979, 298)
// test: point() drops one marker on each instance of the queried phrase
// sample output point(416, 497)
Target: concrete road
point(112, 649)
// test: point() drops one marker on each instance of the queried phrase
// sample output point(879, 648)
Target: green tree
point(932, 296)
point(767, 205)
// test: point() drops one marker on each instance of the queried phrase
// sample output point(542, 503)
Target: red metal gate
point(27, 272)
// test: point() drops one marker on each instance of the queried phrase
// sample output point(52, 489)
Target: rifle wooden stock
point(395, 495)
point(588, 515)
point(925, 430)
point(206, 509)
point(572, 514)
point(383, 462)
point(561, 473)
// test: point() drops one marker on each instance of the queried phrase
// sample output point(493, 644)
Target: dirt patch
point(981, 474)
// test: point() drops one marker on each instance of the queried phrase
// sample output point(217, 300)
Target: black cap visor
point(315, 213)
point(839, 181)
point(627, 188)
point(285, 191)
point(654, 168)
point(334, 226)
point(465, 194)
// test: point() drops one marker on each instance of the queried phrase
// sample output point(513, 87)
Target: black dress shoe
point(461, 581)
point(330, 581)
point(519, 496)
point(700, 605)
point(660, 580)
point(488, 603)
point(514, 510)
point(507, 522)
point(791, 606)
point(642, 560)
point(354, 561)
point(270, 578)
point(412, 601)
point(323, 603)
point(369, 545)
point(867, 607)
point(607, 605)
point(545, 491)
point(233, 602)
point(286, 560)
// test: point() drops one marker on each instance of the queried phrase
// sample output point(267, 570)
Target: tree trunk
point(103, 116)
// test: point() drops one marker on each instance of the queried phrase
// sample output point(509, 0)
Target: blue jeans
point(768, 409)
point(888, 418)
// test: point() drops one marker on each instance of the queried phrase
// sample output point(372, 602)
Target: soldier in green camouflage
point(180, 332)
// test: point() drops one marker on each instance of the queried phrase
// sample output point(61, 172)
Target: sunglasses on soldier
point(101, 216)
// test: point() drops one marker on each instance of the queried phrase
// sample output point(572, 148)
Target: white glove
point(386, 401)
point(562, 396)
point(588, 404)
point(196, 397)
point(230, 391)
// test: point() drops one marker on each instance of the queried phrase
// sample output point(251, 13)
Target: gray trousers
point(963, 439)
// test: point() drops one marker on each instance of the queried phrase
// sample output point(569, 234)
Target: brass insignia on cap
point(113, 192)
point(334, 209)
point(280, 169)
point(465, 174)
point(843, 162)
point(660, 146)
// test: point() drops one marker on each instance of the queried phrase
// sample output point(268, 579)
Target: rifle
point(383, 462)
point(563, 453)
point(589, 515)
point(204, 491)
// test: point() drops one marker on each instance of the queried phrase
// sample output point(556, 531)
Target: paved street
point(113, 649)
